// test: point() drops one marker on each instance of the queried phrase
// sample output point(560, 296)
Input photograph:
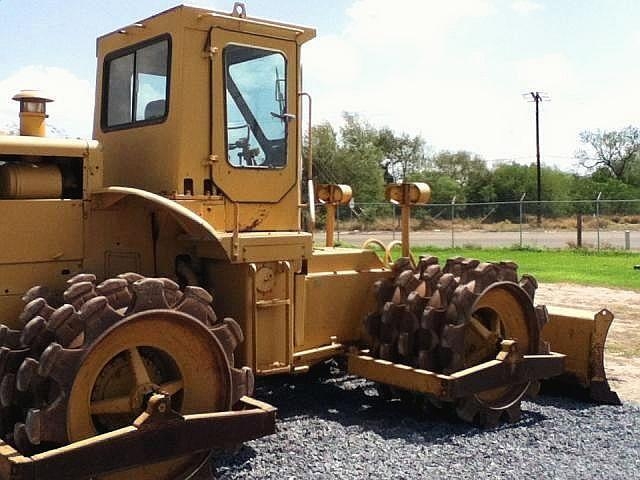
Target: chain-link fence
point(592, 224)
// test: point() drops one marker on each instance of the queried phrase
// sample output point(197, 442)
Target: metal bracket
point(157, 435)
point(508, 368)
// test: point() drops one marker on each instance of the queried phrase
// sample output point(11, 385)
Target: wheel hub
point(117, 382)
point(141, 395)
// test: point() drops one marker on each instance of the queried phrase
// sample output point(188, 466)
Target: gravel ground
point(336, 427)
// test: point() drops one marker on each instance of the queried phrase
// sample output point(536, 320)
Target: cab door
point(255, 119)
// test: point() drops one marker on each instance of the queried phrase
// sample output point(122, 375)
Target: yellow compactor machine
point(173, 267)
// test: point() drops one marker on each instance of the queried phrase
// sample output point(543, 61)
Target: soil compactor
point(176, 268)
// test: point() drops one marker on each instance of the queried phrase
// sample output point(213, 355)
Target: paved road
point(535, 238)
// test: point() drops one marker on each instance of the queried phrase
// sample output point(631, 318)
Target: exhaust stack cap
point(33, 112)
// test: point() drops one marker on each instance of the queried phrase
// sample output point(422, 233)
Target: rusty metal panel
point(262, 217)
point(41, 230)
point(210, 209)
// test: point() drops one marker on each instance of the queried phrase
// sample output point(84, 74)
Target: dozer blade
point(158, 434)
point(581, 336)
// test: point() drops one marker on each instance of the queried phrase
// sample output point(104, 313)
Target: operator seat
point(155, 109)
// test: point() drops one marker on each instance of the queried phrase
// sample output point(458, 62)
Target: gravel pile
point(336, 427)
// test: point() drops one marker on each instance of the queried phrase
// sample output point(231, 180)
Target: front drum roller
point(502, 311)
point(448, 319)
point(92, 364)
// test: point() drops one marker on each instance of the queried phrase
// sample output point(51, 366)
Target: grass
point(606, 268)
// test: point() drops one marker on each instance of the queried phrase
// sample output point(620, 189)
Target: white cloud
point(380, 22)
point(525, 7)
point(409, 69)
point(381, 65)
point(72, 109)
point(402, 68)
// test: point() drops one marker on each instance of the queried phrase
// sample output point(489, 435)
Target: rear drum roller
point(92, 364)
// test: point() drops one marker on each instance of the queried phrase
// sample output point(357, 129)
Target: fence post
point(598, 221)
point(393, 214)
point(453, 215)
point(338, 222)
point(627, 240)
point(579, 234)
point(521, 206)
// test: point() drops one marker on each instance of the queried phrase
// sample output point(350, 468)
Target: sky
point(452, 71)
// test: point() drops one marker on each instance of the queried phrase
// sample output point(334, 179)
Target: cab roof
point(235, 20)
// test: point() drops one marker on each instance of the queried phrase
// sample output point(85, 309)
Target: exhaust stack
point(33, 112)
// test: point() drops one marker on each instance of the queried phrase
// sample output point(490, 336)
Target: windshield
point(256, 107)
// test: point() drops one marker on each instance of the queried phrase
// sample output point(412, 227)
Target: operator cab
point(202, 104)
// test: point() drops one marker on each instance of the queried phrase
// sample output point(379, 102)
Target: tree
point(325, 150)
point(618, 151)
point(460, 174)
point(601, 182)
point(461, 166)
point(403, 154)
point(359, 160)
point(352, 158)
point(480, 187)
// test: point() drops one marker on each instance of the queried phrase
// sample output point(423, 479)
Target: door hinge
point(211, 159)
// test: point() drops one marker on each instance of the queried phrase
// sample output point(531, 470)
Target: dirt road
point(622, 355)
point(483, 238)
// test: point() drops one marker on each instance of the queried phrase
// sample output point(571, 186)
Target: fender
point(194, 226)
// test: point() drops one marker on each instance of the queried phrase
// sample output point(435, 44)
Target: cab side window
point(136, 85)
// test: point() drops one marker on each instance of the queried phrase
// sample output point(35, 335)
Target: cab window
point(136, 85)
point(256, 107)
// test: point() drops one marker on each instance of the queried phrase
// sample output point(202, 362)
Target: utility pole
point(538, 97)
